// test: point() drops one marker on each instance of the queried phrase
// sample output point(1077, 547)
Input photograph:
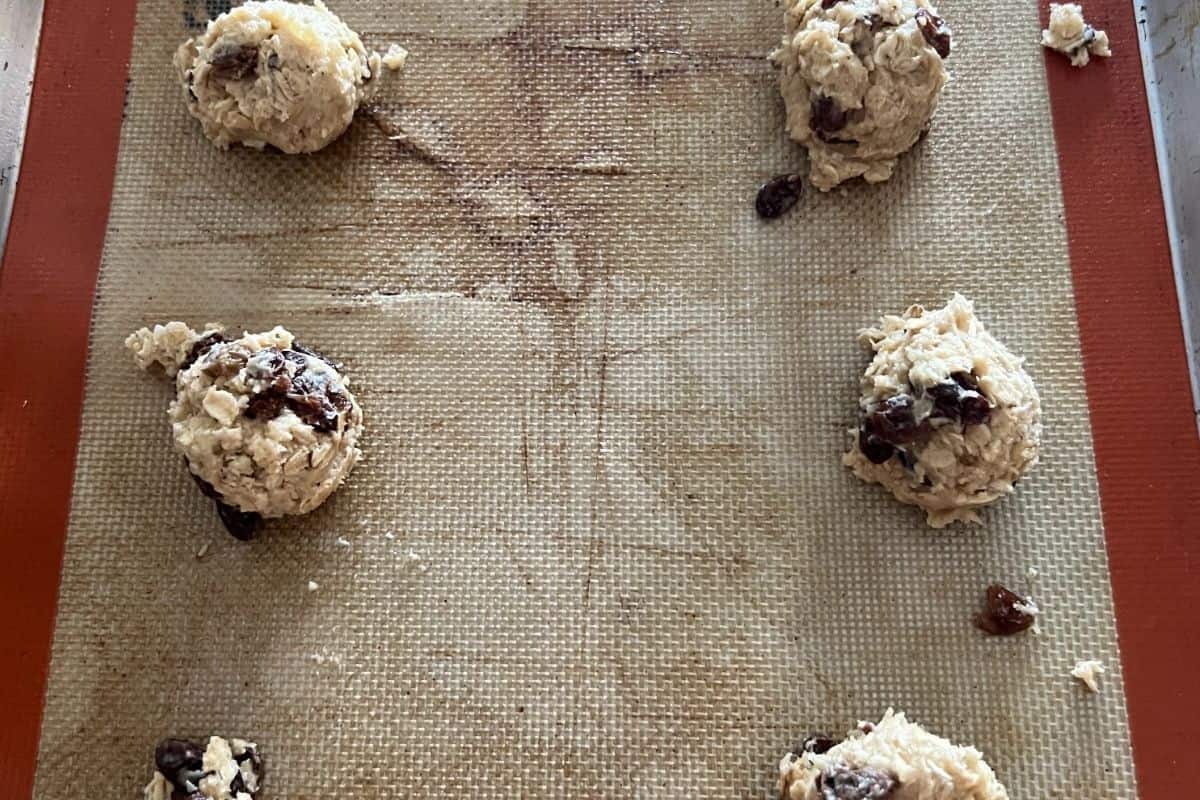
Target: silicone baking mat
point(605, 408)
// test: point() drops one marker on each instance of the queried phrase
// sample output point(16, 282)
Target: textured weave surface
point(605, 406)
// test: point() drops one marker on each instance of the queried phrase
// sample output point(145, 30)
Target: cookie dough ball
point(861, 80)
point(894, 760)
point(267, 426)
point(278, 73)
point(949, 419)
point(224, 769)
point(1070, 35)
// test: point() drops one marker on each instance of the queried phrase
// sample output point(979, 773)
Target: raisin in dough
point(278, 73)
point(222, 770)
point(861, 80)
point(266, 424)
point(949, 417)
point(894, 760)
point(1070, 35)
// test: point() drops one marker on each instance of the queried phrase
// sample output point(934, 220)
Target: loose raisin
point(777, 196)
point(1000, 615)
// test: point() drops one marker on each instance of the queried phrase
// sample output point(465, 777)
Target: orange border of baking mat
point(1147, 450)
point(47, 283)
point(1143, 422)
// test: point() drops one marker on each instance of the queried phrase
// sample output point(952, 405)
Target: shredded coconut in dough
point(950, 418)
point(1070, 35)
point(894, 760)
point(269, 425)
point(861, 80)
point(284, 74)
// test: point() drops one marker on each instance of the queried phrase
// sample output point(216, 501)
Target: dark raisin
point(893, 420)
point(202, 346)
point(777, 196)
point(966, 380)
point(173, 756)
point(235, 63)
point(873, 21)
point(828, 4)
point(251, 755)
point(308, 351)
point(960, 399)
point(243, 525)
point(1000, 615)
point(273, 61)
point(315, 409)
point(840, 782)
point(298, 359)
point(825, 118)
point(206, 488)
point(945, 399)
point(266, 404)
point(907, 460)
point(974, 408)
point(934, 29)
point(268, 362)
point(875, 449)
point(817, 743)
point(340, 401)
point(238, 784)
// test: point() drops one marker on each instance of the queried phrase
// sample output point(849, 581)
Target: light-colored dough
point(279, 73)
point(270, 466)
point(896, 753)
point(952, 468)
point(873, 63)
point(1070, 35)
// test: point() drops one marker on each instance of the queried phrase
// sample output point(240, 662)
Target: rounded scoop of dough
point(278, 73)
point(894, 760)
point(949, 418)
point(266, 424)
point(861, 80)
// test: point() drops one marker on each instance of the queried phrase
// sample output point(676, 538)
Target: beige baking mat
point(605, 407)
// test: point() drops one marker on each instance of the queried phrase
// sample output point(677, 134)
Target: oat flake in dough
point(894, 760)
point(861, 80)
point(285, 74)
point(1070, 35)
point(949, 417)
point(269, 424)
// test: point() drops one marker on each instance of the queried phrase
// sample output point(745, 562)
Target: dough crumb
point(203, 551)
point(1069, 34)
point(395, 57)
point(389, 536)
point(342, 542)
point(313, 586)
point(1089, 673)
